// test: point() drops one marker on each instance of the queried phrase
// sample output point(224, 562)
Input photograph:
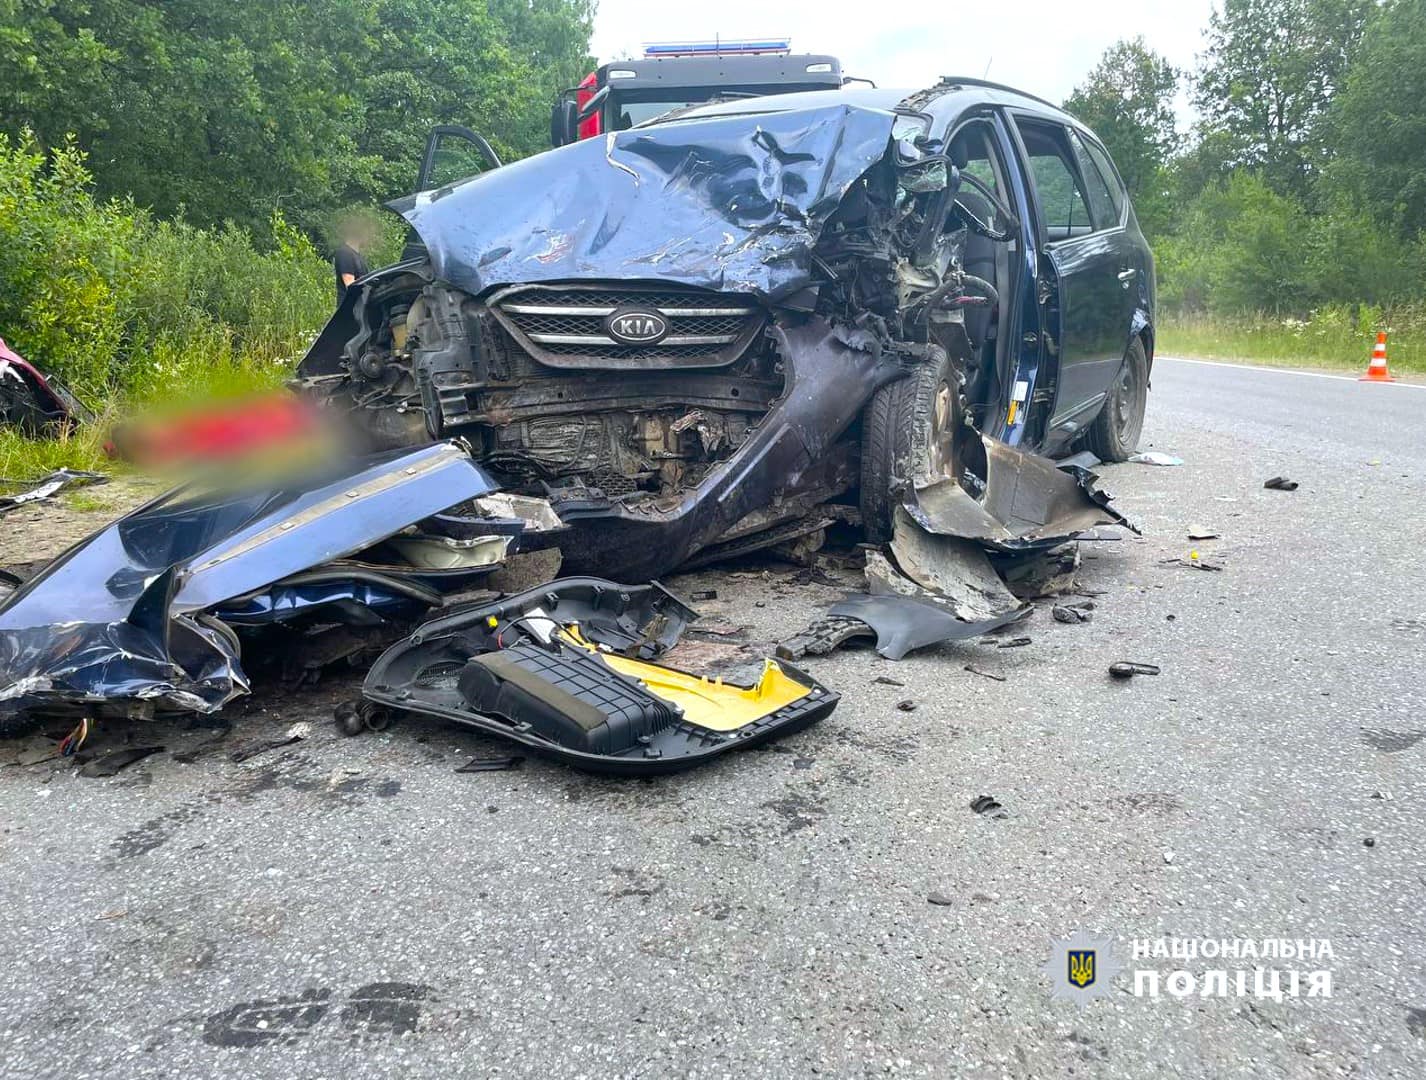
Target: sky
point(1044, 47)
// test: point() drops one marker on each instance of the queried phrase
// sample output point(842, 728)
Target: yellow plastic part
point(709, 703)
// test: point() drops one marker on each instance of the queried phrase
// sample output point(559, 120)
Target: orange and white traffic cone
point(1376, 370)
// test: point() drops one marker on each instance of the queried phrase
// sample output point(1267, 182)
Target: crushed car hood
point(723, 203)
point(124, 615)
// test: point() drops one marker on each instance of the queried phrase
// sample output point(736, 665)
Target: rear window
point(1111, 178)
point(1096, 190)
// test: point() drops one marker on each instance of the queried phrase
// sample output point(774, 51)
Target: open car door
point(454, 153)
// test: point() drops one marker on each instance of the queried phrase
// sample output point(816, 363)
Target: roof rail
point(966, 80)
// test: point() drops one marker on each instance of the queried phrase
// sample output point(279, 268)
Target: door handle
point(1127, 275)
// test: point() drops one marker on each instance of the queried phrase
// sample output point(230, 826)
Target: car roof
point(951, 96)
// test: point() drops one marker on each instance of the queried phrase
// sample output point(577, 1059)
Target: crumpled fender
point(122, 616)
point(1028, 502)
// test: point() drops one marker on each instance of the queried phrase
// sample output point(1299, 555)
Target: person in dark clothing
point(348, 262)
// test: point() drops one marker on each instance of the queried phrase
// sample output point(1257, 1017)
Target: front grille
point(563, 326)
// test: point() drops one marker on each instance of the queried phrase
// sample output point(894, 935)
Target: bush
point(118, 304)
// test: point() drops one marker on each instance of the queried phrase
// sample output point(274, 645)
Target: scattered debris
point(1127, 669)
point(1193, 562)
point(47, 486)
point(987, 805)
point(34, 402)
point(704, 594)
point(30, 751)
point(355, 717)
point(1085, 459)
point(904, 623)
point(907, 706)
point(1369, 841)
point(704, 657)
point(822, 636)
point(492, 764)
point(1064, 613)
point(1168, 856)
point(565, 669)
point(945, 569)
point(718, 629)
point(116, 760)
point(1014, 643)
point(1042, 574)
point(295, 734)
point(1202, 532)
point(1280, 483)
point(1154, 457)
point(526, 570)
point(984, 674)
point(939, 899)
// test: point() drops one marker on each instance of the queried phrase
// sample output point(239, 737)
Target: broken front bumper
point(564, 670)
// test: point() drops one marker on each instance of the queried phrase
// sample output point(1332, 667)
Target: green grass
point(23, 460)
point(180, 383)
point(1324, 340)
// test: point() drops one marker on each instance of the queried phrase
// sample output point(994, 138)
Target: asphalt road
point(769, 915)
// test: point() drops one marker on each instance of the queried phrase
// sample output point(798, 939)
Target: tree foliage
point(1378, 121)
point(233, 111)
point(1302, 187)
point(1269, 72)
point(1128, 101)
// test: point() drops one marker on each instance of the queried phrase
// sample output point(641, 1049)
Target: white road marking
point(1282, 371)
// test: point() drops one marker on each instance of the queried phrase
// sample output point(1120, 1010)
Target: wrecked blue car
point(726, 328)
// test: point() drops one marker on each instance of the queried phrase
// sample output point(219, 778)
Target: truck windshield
point(627, 114)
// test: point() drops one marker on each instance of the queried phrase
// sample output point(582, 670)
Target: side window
point(1101, 202)
point(1106, 170)
point(1051, 166)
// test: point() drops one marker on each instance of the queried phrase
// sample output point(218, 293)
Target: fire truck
point(674, 75)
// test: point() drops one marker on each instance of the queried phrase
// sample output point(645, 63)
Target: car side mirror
point(564, 122)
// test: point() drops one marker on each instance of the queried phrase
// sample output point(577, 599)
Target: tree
point(234, 111)
point(1378, 120)
point(1127, 100)
point(1264, 83)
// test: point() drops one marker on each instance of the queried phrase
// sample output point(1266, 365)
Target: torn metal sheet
point(719, 203)
point(50, 485)
point(447, 553)
point(954, 570)
point(127, 615)
point(905, 623)
point(1023, 502)
point(35, 403)
point(564, 670)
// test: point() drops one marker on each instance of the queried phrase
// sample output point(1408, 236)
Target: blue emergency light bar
point(740, 47)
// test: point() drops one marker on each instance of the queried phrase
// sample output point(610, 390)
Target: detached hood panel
point(729, 203)
point(123, 616)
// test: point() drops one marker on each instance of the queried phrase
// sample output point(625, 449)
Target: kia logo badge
point(636, 326)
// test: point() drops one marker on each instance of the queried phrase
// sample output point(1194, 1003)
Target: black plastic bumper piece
point(478, 669)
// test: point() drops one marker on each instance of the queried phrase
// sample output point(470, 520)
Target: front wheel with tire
point(1114, 435)
point(914, 428)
